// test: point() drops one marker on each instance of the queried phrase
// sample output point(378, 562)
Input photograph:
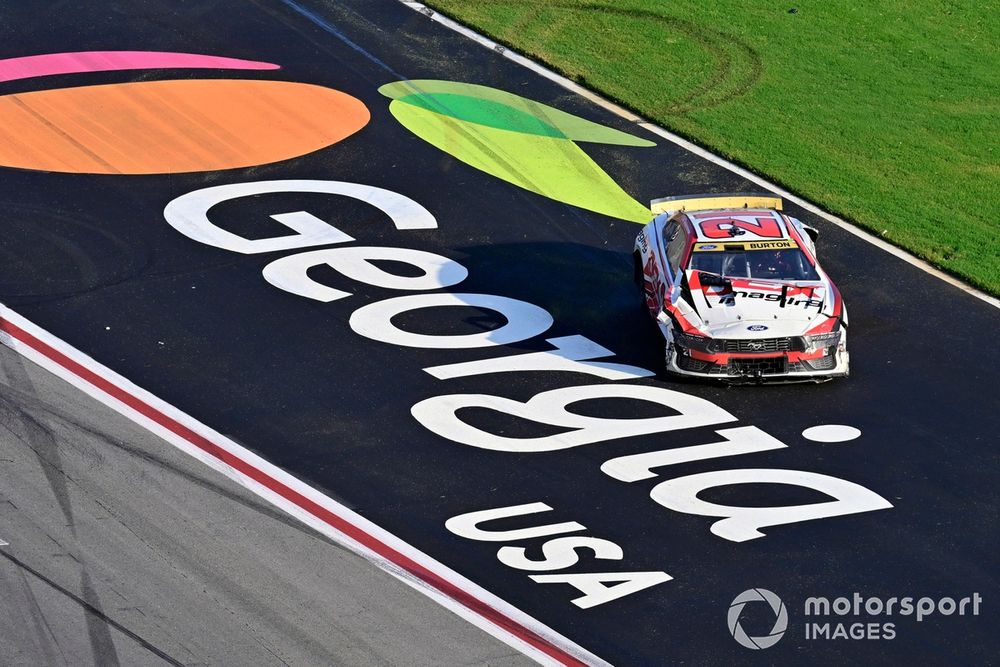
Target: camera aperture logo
point(758, 595)
point(846, 618)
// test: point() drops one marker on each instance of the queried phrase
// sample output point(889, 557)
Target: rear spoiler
point(711, 202)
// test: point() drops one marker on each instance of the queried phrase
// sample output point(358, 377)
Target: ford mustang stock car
point(736, 290)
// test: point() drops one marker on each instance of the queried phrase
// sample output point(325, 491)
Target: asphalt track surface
point(124, 551)
point(90, 259)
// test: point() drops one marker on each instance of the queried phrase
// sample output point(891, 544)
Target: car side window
point(675, 246)
point(669, 232)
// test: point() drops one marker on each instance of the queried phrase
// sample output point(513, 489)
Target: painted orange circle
point(156, 127)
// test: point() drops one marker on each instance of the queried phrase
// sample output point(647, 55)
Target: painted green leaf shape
point(436, 94)
point(484, 112)
point(518, 140)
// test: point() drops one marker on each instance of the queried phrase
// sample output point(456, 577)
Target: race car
point(736, 290)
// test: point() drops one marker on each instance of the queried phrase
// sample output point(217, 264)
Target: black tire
point(637, 270)
point(640, 283)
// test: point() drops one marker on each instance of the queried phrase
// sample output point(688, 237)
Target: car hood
point(759, 308)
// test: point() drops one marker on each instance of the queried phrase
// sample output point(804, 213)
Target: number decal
point(760, 223)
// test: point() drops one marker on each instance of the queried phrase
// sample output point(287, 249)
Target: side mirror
point(812, 232)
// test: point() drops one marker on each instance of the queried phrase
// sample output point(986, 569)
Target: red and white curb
point(327, 516)
point(697, 150)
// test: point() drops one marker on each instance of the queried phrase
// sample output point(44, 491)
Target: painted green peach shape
point(521, 141)
point(444, 98)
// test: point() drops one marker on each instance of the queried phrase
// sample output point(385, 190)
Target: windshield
point(777, 264)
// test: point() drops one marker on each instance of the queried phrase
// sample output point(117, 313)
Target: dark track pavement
point(91, 259)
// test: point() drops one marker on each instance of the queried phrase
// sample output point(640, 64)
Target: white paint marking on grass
point(699, 151)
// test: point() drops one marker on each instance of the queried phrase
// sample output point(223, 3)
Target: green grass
point(884, 112)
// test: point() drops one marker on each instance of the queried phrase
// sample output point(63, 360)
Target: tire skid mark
point(43, 442)
point(92, 611)
point(35, 403)
point(732, 54)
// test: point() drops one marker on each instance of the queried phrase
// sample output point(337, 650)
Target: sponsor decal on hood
point(745, 305)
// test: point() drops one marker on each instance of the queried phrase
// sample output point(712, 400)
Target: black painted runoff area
point(92, 260)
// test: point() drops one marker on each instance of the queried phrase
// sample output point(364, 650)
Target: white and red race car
point(736, 290)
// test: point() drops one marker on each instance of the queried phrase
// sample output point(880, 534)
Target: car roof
point(739, 225)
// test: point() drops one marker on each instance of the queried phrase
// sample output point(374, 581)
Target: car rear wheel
point(640, 281)
point(637, 270)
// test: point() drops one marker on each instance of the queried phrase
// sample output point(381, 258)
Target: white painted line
point(698, 150)
point(400, 559)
